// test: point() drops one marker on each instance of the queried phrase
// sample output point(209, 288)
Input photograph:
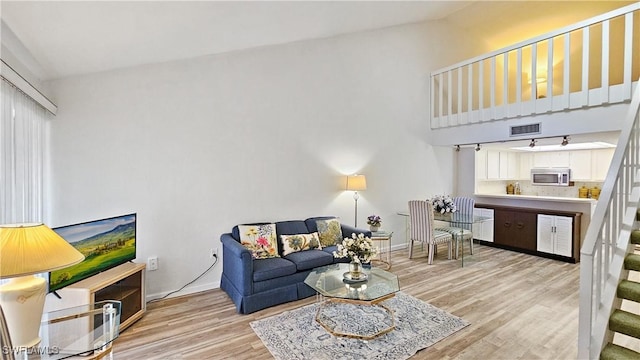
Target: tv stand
point(124, 283)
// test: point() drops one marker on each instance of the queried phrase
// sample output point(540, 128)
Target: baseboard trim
point(186, 291)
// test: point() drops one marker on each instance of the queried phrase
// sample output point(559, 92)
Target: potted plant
point(374, 222)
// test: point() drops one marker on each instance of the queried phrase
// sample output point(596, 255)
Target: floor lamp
point(356, 183)
point(25, 250)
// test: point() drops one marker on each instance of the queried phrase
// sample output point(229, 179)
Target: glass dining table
point(458, 220)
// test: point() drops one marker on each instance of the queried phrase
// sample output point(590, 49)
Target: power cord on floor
point(190, 282)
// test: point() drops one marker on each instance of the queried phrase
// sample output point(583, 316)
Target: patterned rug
point(296, 335)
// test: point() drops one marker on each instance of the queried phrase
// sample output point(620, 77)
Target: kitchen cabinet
point(580, 164)
point(501, 165)
point(483, 230)
point(512, 165)
point(549, 233)
point(481, 165)
point(551, 159)
point(600, 162)
point(525, 162)
point(493, 165)
point(555, 234)
point(515, 229)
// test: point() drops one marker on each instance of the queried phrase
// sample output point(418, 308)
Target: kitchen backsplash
point(500, 187)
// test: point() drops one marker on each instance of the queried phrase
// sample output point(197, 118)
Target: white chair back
point(464, 206)
point(421, 218)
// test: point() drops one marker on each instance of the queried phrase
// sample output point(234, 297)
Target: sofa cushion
point(329, 231)
point(235, 232)
point(291, 227)
point(311, 222)
point(265, 269)
point(299, 242)
point(260, 240)
point(305, 260)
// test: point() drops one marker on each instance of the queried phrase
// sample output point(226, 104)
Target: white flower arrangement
point(358, 247)
point(443, 204)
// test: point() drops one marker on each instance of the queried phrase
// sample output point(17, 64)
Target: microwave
point(551, 176)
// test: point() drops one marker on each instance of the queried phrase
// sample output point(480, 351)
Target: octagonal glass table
point(333, 291)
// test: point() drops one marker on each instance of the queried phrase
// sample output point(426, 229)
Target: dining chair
point(461, 231)
point(422, 229)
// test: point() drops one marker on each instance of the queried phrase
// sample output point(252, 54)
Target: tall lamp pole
point(356, 183)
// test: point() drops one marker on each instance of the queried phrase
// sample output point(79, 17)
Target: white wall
point(198, 146)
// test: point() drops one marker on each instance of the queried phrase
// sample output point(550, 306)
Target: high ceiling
point(66, 38)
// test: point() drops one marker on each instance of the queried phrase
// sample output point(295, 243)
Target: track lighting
point(457, 147)
point(565, 141)
point(532, 143)
point(478, 147)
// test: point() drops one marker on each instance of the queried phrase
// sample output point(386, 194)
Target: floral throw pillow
point(329, 231)
point(299, 242)
point(261, 240)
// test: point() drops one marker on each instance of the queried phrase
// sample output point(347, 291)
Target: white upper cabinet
point(526, 163)
point(600, 162)
point(580, 164)
point(501, 165)
point(551, 159)
point(481, 165)
point(493, 165)
point(585, 165)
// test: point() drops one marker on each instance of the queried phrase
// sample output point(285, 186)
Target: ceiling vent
point(530, 129)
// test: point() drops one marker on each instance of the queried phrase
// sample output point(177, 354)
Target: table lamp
point(356, 183)
point(25, 250)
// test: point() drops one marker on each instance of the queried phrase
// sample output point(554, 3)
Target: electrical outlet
point(152, 263)
point(213, 253)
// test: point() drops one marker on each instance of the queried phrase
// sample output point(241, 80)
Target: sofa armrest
point(347, 230)
point(237, 264)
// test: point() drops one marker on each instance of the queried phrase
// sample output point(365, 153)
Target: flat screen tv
point(105, 243)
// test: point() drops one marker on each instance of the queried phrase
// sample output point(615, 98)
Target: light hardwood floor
point(519, 306)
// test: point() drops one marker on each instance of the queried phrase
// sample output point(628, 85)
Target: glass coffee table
point(334, 291)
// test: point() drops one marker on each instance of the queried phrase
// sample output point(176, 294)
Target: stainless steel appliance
point(551, 176)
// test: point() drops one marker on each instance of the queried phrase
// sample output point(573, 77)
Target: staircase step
point(635, 236)
point(616, 352)
point(624, 322)
point(638, 215)
point(632, 262)
point(629, 290)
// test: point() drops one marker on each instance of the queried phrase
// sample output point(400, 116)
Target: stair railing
point(608, 237)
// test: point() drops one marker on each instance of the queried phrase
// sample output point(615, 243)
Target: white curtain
point(22, 157)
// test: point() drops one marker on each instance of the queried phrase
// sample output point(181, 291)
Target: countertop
point(539, 198)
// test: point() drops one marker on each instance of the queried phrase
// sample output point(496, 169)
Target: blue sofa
point(256, 284)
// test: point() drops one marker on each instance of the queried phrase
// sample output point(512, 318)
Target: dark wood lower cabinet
point(517, 229)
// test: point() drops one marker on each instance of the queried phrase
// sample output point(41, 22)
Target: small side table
point(383, 236)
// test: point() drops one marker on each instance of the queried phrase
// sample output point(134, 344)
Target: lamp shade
point(356, 182)
point(27, 249)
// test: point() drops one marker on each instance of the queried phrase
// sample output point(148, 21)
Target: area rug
point(296, 335)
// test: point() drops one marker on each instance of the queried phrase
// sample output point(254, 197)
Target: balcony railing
point(591, 63)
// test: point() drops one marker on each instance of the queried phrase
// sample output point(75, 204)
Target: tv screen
point(104, 243)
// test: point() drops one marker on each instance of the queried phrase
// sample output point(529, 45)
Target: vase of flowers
point(360, 249)
point(443, 204)
point(374, 222)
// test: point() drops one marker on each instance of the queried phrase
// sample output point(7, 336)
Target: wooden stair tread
point(624, 322)
point(616, 352)
point(632, 262)
point(629, 290)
